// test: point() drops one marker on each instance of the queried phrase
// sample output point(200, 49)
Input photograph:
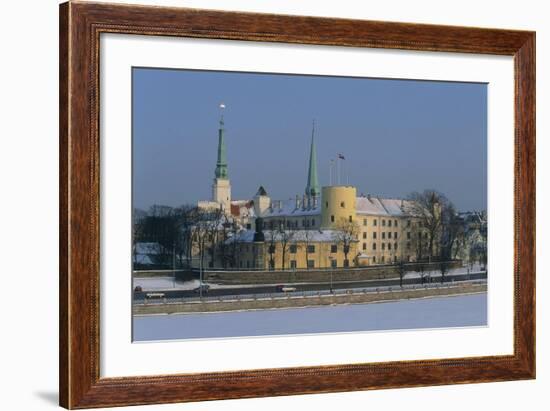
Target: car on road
point(285, 289)
point(154, 295)
point(204, 287)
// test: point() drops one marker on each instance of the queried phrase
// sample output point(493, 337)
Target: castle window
point(333, 248)
point(364, 246)
point(373, 258)
point(293, 248)
point(408, 223)
point(383, 246)
point(375, 223)
point(248, 226)
point(395, 235)
point(374, 235)
point(292, 263)
point(332, 219)
point(333, 263)
point(365, 235)
point(310, 263)
point(343, 204)
point(389, 246)
point(346, 263)
point(383, 235)
point(364, 221)
point(389, 223)
point(395, 246)
point(374, 246)
point(383, 223)
point(310, 249)
point(382, 259)
point(350, 219)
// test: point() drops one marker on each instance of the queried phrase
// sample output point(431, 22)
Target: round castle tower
point(338, 203)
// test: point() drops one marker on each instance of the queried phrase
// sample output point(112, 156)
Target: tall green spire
point(221, 164)
point(312, 188)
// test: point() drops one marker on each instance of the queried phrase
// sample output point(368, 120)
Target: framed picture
point(259, 205)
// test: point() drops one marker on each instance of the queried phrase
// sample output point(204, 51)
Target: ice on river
point(456, 311)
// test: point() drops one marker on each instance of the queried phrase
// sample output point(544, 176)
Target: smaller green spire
point(312, 188)
point(221, 163)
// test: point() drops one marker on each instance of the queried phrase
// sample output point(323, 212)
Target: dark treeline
point(171, 236)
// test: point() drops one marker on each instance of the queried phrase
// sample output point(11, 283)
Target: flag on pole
point(341, 156)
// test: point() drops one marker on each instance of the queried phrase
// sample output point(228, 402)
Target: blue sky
point(398, 136)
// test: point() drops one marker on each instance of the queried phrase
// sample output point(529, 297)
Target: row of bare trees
point(175, 235)
point(282, 235)
point(439, 235)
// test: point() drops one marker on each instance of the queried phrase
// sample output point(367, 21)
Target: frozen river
point(458, 311)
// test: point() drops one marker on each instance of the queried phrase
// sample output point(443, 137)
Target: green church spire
point(312, 188)
point(221, 164)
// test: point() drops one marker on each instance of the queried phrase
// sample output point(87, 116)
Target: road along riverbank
point(294, 301)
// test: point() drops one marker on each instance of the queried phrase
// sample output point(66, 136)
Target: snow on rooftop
point(287, 208)
point(382, 206)
point(318, 236)
point(147, 248)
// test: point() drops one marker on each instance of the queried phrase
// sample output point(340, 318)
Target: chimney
point(304, 202)
point(297, 201)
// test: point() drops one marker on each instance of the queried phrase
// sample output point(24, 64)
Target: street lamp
point(331, 258)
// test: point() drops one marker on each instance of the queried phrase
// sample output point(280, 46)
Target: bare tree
point(444, 266)
point(232, 248)
point(418, 240)
point(427, 208)
point(285, 235)
point(452, 232)
point(224, 247)
point(213, 222)
point(271, 239)
point(421, 270)
point(346, 234)
point(401, 271)
point(187, 217)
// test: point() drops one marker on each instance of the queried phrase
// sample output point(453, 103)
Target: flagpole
point(338, 169)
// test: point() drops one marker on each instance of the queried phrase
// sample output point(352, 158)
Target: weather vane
point(222, 107)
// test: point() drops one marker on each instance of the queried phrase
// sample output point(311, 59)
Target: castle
point(329, 226)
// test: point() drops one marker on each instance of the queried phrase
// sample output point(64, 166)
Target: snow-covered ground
point(435, 273)
point(168, 283)
point(456, 311)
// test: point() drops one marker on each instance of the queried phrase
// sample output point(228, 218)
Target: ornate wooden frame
point(80, 27)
